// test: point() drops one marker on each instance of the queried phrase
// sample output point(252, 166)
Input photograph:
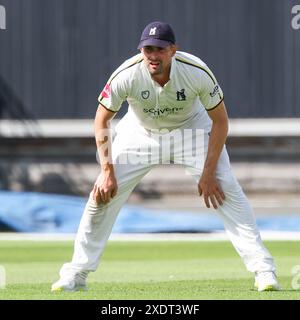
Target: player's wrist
point(107, 168)
point(209, 173)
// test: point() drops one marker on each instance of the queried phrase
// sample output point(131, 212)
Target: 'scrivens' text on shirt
point(162, 111)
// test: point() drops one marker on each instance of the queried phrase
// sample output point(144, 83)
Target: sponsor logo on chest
point(162, 111)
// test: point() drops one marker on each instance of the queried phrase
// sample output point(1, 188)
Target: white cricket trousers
point(134, 151)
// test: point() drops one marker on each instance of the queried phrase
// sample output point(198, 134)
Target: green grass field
point(145, 270)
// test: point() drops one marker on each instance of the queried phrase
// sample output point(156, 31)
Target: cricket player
point(167, 91)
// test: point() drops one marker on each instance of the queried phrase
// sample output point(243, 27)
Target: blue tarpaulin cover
point(49, 213)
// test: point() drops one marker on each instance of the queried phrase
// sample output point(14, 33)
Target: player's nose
point(153, 58)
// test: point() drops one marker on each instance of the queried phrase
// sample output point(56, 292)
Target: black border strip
point(102, 105)
point(199, 67)
point(215, 105)
point(196, 66)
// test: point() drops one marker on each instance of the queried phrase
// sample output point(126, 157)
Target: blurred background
point(56, 56)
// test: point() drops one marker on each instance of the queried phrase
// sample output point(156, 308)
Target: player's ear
point(174, 49)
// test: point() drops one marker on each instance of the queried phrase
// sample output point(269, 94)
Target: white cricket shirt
point(191, 90)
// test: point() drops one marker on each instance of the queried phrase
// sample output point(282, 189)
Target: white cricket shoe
point(266, 281)
point(69, 285)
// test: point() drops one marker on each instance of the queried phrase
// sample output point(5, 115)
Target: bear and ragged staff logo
point(181, 95)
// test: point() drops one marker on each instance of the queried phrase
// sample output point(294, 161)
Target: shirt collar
point(173, 68)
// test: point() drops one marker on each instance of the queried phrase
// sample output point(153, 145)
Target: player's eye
point(148, 49)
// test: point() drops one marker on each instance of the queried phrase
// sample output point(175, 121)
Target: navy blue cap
point(157, 34)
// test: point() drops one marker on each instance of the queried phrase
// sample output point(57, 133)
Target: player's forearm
point(103, 142)
point(217, 140)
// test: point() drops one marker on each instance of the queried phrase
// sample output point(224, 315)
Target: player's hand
point(211, 190)
point(105, 188)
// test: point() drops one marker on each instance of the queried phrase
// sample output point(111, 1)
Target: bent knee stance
point(229, 183)
point(236, 206)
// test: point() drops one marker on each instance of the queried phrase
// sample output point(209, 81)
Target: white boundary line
point(214, 236)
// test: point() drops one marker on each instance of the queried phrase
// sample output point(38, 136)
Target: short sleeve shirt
point(192, 89)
